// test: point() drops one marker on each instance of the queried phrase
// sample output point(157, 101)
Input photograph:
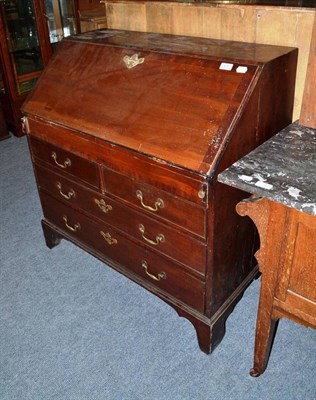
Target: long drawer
point(156, 202)
point(156, 235)
point(101, 237)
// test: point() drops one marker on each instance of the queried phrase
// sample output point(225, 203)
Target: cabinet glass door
point(61, 19)
point(22, 42)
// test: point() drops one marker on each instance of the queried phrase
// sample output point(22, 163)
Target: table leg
point(265, 331)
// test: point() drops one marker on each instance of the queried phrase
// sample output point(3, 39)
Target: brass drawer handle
point(159, 238)
point(161, 275)
point(71, 228)
point(158, 204)
point(108, 238)
point(68, 196)
point(132, 61)
point(103, 206)
point(67, 162)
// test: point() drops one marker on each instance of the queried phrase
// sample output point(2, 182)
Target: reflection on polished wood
point(92, 15)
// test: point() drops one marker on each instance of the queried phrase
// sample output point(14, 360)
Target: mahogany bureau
point(128, 132)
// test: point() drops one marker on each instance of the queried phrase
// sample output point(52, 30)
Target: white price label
point(241, 70)
point(226, 66)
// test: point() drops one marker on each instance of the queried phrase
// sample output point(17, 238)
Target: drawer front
point(164, 274)
point(157, 203)
point(155, 235)
point(178, 182)
point(66, 162)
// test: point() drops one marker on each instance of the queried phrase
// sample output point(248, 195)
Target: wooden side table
point(287, 260)
point(281, 175)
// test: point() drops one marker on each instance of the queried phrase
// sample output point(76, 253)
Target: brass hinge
point(203, 193)
point(25, 125)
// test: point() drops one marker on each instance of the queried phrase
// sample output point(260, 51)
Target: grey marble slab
point(282, 169)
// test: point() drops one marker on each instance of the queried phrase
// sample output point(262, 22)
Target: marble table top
point(283, 169)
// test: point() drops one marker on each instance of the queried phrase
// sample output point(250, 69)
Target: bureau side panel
point(232, 238)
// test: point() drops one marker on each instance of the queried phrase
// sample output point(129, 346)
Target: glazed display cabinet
point(62, 19)
point(29, 29)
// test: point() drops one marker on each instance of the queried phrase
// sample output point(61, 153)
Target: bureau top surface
point(178, 105)
point(282, 169)
point(252, 53)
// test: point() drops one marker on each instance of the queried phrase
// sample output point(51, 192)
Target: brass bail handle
point(67, 162)
point(133, 61)
point(160, 238)
point(71, 228)
point(159, 203)
point(161, 275)
point(69, 195)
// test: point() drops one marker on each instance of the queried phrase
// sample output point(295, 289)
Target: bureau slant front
point(128, 132)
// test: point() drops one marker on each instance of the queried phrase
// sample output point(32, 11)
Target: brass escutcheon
point(108, 238)
point(132, 61)
point(103, 206)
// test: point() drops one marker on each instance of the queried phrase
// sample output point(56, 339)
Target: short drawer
point(158, 203)
point(154, 234)
point(164, 274)
point(65, 162)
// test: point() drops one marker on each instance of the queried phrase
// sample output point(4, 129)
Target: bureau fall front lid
point(173, 100)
